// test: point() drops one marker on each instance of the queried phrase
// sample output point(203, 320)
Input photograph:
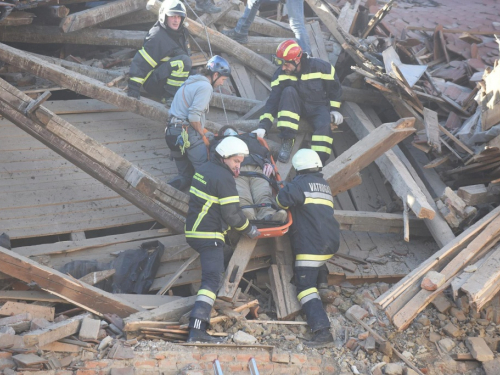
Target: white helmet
point(231, 146)
point(306, 158)
point(171, 8)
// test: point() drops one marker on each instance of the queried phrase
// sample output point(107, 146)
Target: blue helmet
point(219, 65)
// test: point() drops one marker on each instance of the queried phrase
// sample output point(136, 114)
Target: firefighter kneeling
point(214, 205)
point(314, 237)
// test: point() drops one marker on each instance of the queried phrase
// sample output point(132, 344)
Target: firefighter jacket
point(159, 46)
point(317, 84)
point(314, 229)
point(214, 205)
point(258, 154)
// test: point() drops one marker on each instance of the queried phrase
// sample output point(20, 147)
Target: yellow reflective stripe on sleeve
point(268, 116)
point(288, 124)
point(335, 104)
point(322, 138)
point(137, 79)
point(208, 293)
point(165, 59)
point(172, 82)
point(306, 293)
point(247, 223)
point(313, 257)
point(205, 235)
point(289, 114)
point(148, 58)
point(180, 74)
point(228, 200)
point(280, 78)
point(326, 76)
point(327, 150)
point(318, 201)
point(279, 204)
point(203, 195)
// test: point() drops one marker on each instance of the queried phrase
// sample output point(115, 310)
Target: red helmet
point(288, 51)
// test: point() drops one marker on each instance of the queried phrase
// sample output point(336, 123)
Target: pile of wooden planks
point(406, 299)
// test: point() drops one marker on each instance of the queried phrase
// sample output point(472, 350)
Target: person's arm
point(271, 107)
point(199, 104)
point(232, 214)
point(334, 90)
point(291, 195)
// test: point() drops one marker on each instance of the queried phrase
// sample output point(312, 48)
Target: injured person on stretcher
point(256, 196)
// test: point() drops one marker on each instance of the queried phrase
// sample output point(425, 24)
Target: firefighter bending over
point(163, 63)
point(304, 87)
point(214, 205)
point(314, 237)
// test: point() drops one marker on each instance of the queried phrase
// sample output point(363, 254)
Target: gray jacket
point(192, 99)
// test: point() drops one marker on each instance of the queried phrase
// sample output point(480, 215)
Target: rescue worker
point(314, 237)
point(163, 64)
point(214, 205)
point(255, 191)
point(304, 87)
point(185, 133)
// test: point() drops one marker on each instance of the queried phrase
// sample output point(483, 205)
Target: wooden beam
point(83, 84)
point(260, 25)
point(391, 167)
point(89, 298)
point(176, 275)
point(96, 15)
point(243, 54)
point(17, 19)
point(326, 15)
point(366, 151)
point(54, 331)
point(170, 311)
point(29, 295)
point(106, 166)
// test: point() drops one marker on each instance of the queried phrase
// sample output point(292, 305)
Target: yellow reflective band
point(171, 82)
point(205, 235)
point(268, 116)
point(327, 150)
point(335, 104)
point(289, 114)
point(280, 78)
point(279, 204)
point(203, 195)
point(148, 58)
point(315, 75)
point(289, 48)
point(228, 200)
point(288, 124)
point(306, 293)
point(202, 214)
point(180, 74)
point(137, 79)
point(208, 293)
point(313, 257)
point(165, 59)
point(247, 223)
point(322, 138)
point(318, 201)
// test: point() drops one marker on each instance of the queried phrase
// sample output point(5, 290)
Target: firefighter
point(163, 63)
point(185, 133)
point(214, 205)
point(304, 87)
point(314, 237)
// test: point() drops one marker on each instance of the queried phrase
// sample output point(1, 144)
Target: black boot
point(236, 36)
point(320, 339)
point(286, 150)
point(198, 335)
point(206, 6)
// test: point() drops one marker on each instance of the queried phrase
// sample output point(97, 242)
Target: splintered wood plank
point(98, 276)
point(92, 299)
point(29, 295)
point(277, 291)
point(241, 78)
point(432, 129)
point(54, 332)
point(347, 15)
point(37, 311)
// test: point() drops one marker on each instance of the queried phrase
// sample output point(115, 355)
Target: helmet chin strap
point(212, 77)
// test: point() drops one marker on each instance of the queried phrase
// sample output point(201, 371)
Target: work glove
point(254, 233)
point(133, 93)
point(336, 117)
point(261, 133)
point(268, 169)
point(210, 136)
